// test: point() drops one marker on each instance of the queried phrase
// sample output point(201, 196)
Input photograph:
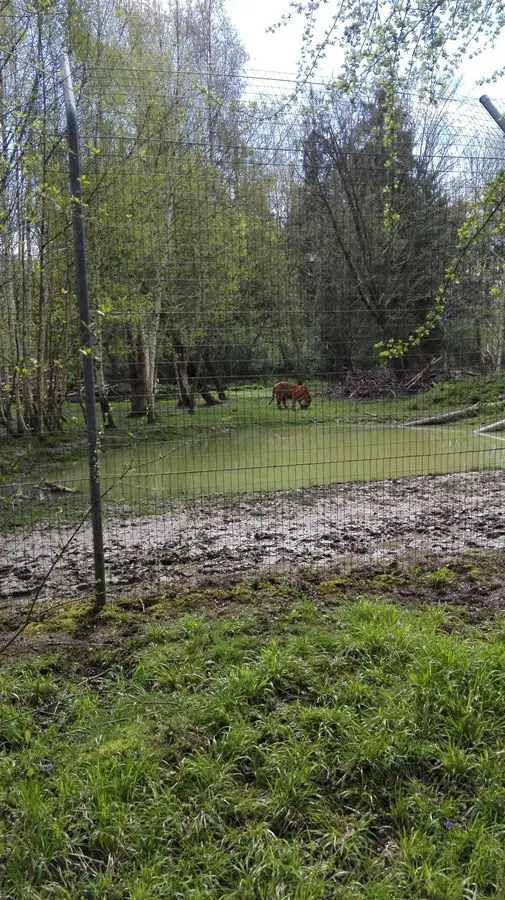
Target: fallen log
point(495, 426)
point(455, 414)
point(444, 417)
point(56, 488)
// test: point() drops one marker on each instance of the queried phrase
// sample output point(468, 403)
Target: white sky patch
point(279, 52)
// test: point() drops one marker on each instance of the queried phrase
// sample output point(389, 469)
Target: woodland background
point(235, 231)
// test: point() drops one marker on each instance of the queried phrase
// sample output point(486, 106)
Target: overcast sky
point(279, 52)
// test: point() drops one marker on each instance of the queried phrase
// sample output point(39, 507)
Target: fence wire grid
point(242, 232)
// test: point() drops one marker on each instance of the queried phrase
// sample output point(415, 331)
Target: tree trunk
point(40, 383)
point(202, 386)
point(43, 324)
point(143, 374)
point(156, 323)
point(103, 399)
point(26, 317)
point(287, 358)
point(214, 376)
point(150, 345)
point(9, 356)
point(182, 373)
point(399, 367)
point(108, 420)
point(138, 406)
point(207, 396)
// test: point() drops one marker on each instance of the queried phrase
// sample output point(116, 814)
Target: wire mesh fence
point(243, 232)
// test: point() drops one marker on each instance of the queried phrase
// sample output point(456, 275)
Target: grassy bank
point(311, 738)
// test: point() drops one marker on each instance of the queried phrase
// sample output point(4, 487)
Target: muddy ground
point(371, 522)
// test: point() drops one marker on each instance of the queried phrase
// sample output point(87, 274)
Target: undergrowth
point(343, 749)
point(467, 390)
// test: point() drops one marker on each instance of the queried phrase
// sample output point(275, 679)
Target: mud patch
point(374, 522)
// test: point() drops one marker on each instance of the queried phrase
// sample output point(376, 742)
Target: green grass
point(467, 390)
point(265, 741)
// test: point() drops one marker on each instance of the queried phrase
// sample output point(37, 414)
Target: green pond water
point(267, 458)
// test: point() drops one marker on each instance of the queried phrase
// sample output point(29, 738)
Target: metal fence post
point(85, 328)
point(493, 112)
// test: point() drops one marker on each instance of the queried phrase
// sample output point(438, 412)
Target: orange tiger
point(287, 390)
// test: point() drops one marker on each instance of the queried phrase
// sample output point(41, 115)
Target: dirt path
point(286, 529)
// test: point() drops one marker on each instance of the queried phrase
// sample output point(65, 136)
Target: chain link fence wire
point(241, 232)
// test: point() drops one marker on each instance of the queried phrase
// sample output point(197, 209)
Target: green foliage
point(485, 218)
point(420, 44)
